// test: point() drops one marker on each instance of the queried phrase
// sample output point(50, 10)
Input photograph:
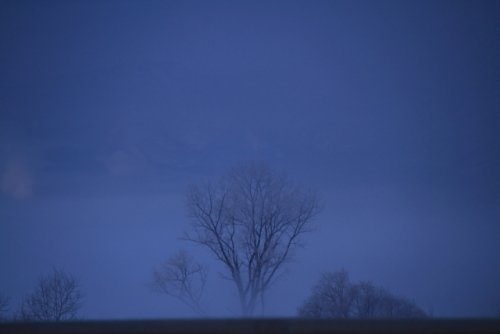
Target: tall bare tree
point(181, 277)
point(57, 297)
point(252, 220)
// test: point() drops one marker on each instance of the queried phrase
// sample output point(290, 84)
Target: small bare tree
point(332, 297)
point(57, 297)
point(336, 297)
point(251, 221)
point(181, 277)
point(367, 302)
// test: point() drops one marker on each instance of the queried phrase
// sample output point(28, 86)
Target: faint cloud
point(17, 180)
point(125, 161)
point(194, 139)
point(255, 141)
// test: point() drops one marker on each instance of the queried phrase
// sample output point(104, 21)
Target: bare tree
point(367, 302)
point(182, 278)
point(336, 297)
point(398, 307)
point(251, 220)
point(4, 306)
point(57, 297)
point(332, 297)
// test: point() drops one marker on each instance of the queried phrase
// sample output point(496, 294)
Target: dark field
point(259, 326)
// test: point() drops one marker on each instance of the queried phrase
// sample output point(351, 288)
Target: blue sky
point(110, 109)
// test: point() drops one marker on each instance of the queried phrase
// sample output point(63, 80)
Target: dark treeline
point(335, 296)
point(58, 297)
point(251, 220)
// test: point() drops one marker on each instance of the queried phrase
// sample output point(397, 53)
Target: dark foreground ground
point(296, 326)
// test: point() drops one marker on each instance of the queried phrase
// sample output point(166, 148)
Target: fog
point(109, 110)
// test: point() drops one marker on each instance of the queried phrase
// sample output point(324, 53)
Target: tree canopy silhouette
point(334, 296)
point(56, 297)
point(251, 220)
